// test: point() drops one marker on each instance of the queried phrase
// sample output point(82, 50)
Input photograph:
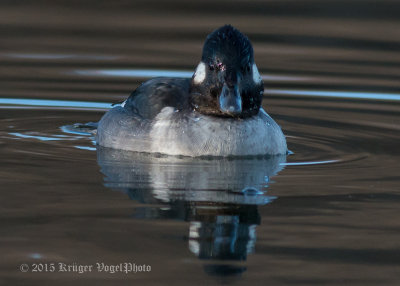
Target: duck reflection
point(219, 197)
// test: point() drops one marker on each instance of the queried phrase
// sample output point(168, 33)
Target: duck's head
point(226, 81)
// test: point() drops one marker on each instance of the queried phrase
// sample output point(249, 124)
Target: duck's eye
point(220, 66)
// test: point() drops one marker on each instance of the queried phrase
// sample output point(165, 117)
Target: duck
point(217, 112)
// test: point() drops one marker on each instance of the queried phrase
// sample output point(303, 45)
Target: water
point(326, 214)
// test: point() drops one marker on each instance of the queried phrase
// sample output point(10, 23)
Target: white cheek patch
point(200, 73)
point(256, 75)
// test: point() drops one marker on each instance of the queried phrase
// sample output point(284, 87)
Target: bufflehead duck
point(215, 113)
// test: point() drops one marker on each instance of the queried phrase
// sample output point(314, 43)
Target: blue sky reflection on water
point(41, 138)
point(55, 103)
point(338, 94)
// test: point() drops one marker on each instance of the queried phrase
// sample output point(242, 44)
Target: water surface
point(326, 214)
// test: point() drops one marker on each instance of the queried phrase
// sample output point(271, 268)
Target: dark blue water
point(326, 214)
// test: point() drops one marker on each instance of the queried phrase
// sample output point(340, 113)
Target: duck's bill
point(230, 101)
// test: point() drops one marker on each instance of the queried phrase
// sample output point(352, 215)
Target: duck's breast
point(192, 134)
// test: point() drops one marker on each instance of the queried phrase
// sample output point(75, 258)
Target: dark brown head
point(226, 81)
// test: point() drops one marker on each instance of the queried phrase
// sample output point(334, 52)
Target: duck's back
point(153, 95)
point(128, 126)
